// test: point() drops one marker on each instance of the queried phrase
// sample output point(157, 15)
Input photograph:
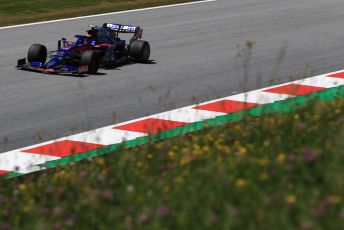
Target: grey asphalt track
point(195, 58)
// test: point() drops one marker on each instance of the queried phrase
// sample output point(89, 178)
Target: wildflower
point(263, 162)
point(22, 186)
point(206, 149)
point(237, 127)
point(143, 218)
point(185, 160)
point(266, 143)
point(335, 199)
point(280, 158)
point(150, 156)
point(242, 150)
point(130, 188)
point(301, 126)
point(263, 176)
point(291, 157)
point(290, 199)
point(166, 189)
point(163, 211)
point(101, 161)
point(309, 155)
point(219, 160)
point(240, 183)
point(179, 180)
point(290, 167)
point(171, 154)
point(341, 214)
point(106, 194)
point(70, 222)
point(139, 164)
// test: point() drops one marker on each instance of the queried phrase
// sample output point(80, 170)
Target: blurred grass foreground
point(275, 171)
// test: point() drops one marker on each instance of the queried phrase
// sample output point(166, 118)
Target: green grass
point(282, 171)
point(22, 11)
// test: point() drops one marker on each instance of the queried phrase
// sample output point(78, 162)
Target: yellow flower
point(296, 116)
point(263, 162)
point(166, 188)
point(263, 176)
point(290, 199)
point(150, 156)
point(27, 209)
point(335, 199)
point(266, 143)
point(281, 157)
point(22, 186)
point(171, 154)
point(237, 127)
point(242, 150)
point(185, 160)
point(219, 160)
point(139, 164)
point(100, 161)
point(179, 180)
point(240, 183)
point(196, 147)
point(206, 149)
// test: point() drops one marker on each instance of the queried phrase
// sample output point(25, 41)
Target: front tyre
point(139, 50)
point(89, 58)
point(37, 53)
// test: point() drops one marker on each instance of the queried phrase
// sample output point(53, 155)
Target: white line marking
point(107, 14)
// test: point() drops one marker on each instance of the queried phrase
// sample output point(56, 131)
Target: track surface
point(194, 49)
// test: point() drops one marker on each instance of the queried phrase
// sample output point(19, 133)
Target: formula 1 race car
point(101, 47)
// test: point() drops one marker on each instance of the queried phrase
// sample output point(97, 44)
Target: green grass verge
point(281, 171)
point(23, 11)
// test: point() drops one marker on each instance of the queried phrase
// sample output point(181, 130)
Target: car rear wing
point(119, 28)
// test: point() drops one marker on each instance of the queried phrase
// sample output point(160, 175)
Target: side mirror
point(59, 44)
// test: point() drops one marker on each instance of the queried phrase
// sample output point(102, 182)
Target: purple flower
point(322, 208)
point(290, 167)
point(163, 211)
point(83, 174)
point(131, 208)
point(70, 222)
point(291, 157)
point(301, 126)
point(6, 226)
point(106, 194)
point(341, 214)
point(143, 218)
point(309, 155)
point(57, 226)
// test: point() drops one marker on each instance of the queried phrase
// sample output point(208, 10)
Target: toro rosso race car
point(101, 47)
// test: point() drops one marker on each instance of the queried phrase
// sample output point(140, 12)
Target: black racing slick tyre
point(37, 53)
point(89, 58)
point(139, 50)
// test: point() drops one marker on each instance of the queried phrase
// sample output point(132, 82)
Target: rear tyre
point(37, 53)
point(89, 58)
point(139, 50)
